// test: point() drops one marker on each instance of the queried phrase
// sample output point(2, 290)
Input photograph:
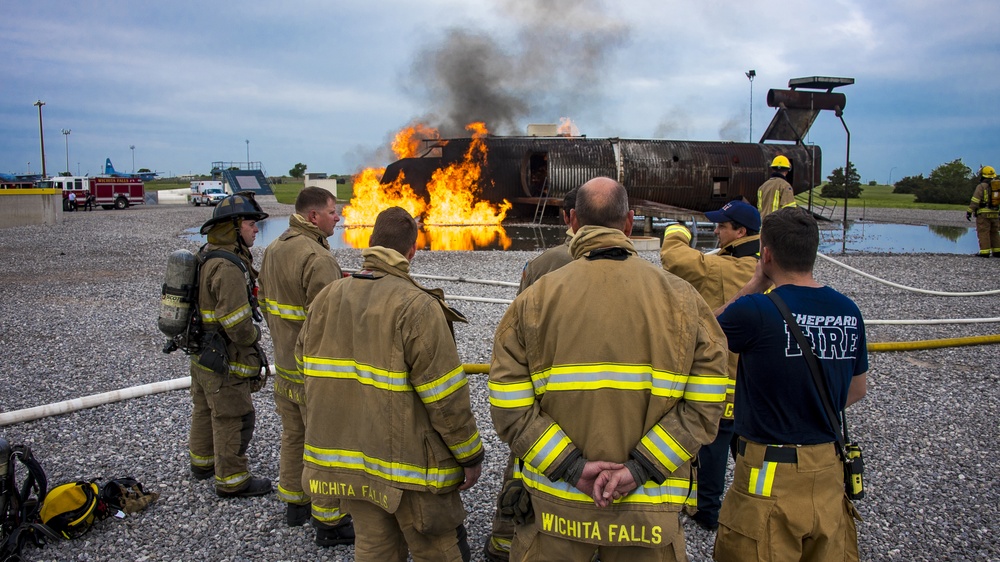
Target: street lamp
point(890, 175)
point(248, 154)
point(41, 136)
point(751, 74)
point(66, 133)
point(132, 147)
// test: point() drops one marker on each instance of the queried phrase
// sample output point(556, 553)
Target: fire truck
point(109, 193)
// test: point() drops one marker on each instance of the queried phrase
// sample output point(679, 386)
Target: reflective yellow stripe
point(233, 480)
point(442, 387)
point(235, 317)
point(706, 388)
point(679, 229)
point(761, 479)
point(792, 204)
point(613, 376)
point(673, 491)
point(391, 471)
point(511, 395)
point(243, 371)
point(665, 448)
point(203, 462)
point(285, 311)
point(552, 443)
point(396, 381)
point(468, 448)
point(289, 496)
point(289, 375)
point(327, 515)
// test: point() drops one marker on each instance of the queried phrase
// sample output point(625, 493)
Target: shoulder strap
point(251, 297)
point(814, 367)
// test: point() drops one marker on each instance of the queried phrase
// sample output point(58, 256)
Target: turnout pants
point(424, 523)
point(498, 543)
point(712, 463)
point(222, 421)
point(787, 503)
point(293, 433)
point(988, 231)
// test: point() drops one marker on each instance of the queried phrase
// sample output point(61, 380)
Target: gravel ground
point(78, 307)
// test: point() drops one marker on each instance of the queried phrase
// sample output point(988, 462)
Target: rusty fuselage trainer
point(667, 175)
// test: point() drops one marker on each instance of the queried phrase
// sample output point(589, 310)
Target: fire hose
point(66, 406)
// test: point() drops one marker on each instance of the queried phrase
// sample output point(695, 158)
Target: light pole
point(41, 136)
point(890, 175)
point(66, 133)
point(248, 154)
point(132, 148)
point(751, 74)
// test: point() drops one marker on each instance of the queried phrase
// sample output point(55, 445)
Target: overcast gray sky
point(326, 83)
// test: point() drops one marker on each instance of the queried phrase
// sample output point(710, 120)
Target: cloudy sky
point(327, 83)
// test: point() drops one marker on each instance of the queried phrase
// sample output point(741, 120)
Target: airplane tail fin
point(108, 168)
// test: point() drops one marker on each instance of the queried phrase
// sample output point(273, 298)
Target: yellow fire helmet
point(988, 172)
point(781, 162)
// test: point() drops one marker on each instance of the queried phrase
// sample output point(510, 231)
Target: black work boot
point(342, 533)
point(254, 487)
point(202, 473)
point(296, 514)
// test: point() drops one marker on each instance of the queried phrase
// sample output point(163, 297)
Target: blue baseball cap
point(738, 212)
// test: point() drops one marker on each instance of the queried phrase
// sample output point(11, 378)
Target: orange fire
point(440, 237)
point(567, 128)
point(453, 195)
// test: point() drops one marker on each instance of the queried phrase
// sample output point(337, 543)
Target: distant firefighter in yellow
point(985, 205)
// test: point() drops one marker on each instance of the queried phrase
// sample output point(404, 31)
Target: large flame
point(453, 197)
point(567, 128)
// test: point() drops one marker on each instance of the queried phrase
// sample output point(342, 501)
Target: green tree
point(952, 182)
point(144, 170)
point(910, 184)
point(297, 170)
point(839, 183)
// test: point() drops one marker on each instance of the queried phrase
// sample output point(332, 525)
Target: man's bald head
point(602, 202)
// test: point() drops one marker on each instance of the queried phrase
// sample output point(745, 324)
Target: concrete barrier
point(21, 207)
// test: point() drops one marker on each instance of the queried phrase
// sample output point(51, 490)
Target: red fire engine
point(109, 193)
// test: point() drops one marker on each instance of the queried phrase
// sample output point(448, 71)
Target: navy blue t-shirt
point(776, 399)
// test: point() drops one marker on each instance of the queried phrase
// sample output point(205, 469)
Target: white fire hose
point(66, 406)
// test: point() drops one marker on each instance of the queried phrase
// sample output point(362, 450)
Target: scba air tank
point(178, 293)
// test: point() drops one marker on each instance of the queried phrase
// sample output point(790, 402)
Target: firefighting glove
point(968, 216)
point(515, 503)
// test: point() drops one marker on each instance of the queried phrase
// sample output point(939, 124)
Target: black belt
point(773, 454)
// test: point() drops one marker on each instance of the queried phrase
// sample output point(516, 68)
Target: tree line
point(952, 182)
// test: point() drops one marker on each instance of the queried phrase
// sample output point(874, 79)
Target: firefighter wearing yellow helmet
point(985, 205)
point(776, 193)
point(228, 368)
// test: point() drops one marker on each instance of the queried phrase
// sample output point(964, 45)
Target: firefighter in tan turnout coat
point(390, 432)
point(225, 374)
point(608, 374)
point(296, 267)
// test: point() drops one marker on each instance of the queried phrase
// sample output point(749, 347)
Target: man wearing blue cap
point(717, 277)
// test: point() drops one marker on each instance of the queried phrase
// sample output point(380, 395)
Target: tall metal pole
point(132, 147)
point(41, 135)
point(847, 168)
point(248, 154)
point(66, 133)
point(890, 175)
point(751, 74)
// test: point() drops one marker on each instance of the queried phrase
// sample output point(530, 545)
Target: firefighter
point(788, 497)
point(229, 369)
point(717, 277)
point(604, 410)
point(776, 193)
point(985, 205)
point(555, 257)
point(390, 434)
point(497, 546)
point(296, 267)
